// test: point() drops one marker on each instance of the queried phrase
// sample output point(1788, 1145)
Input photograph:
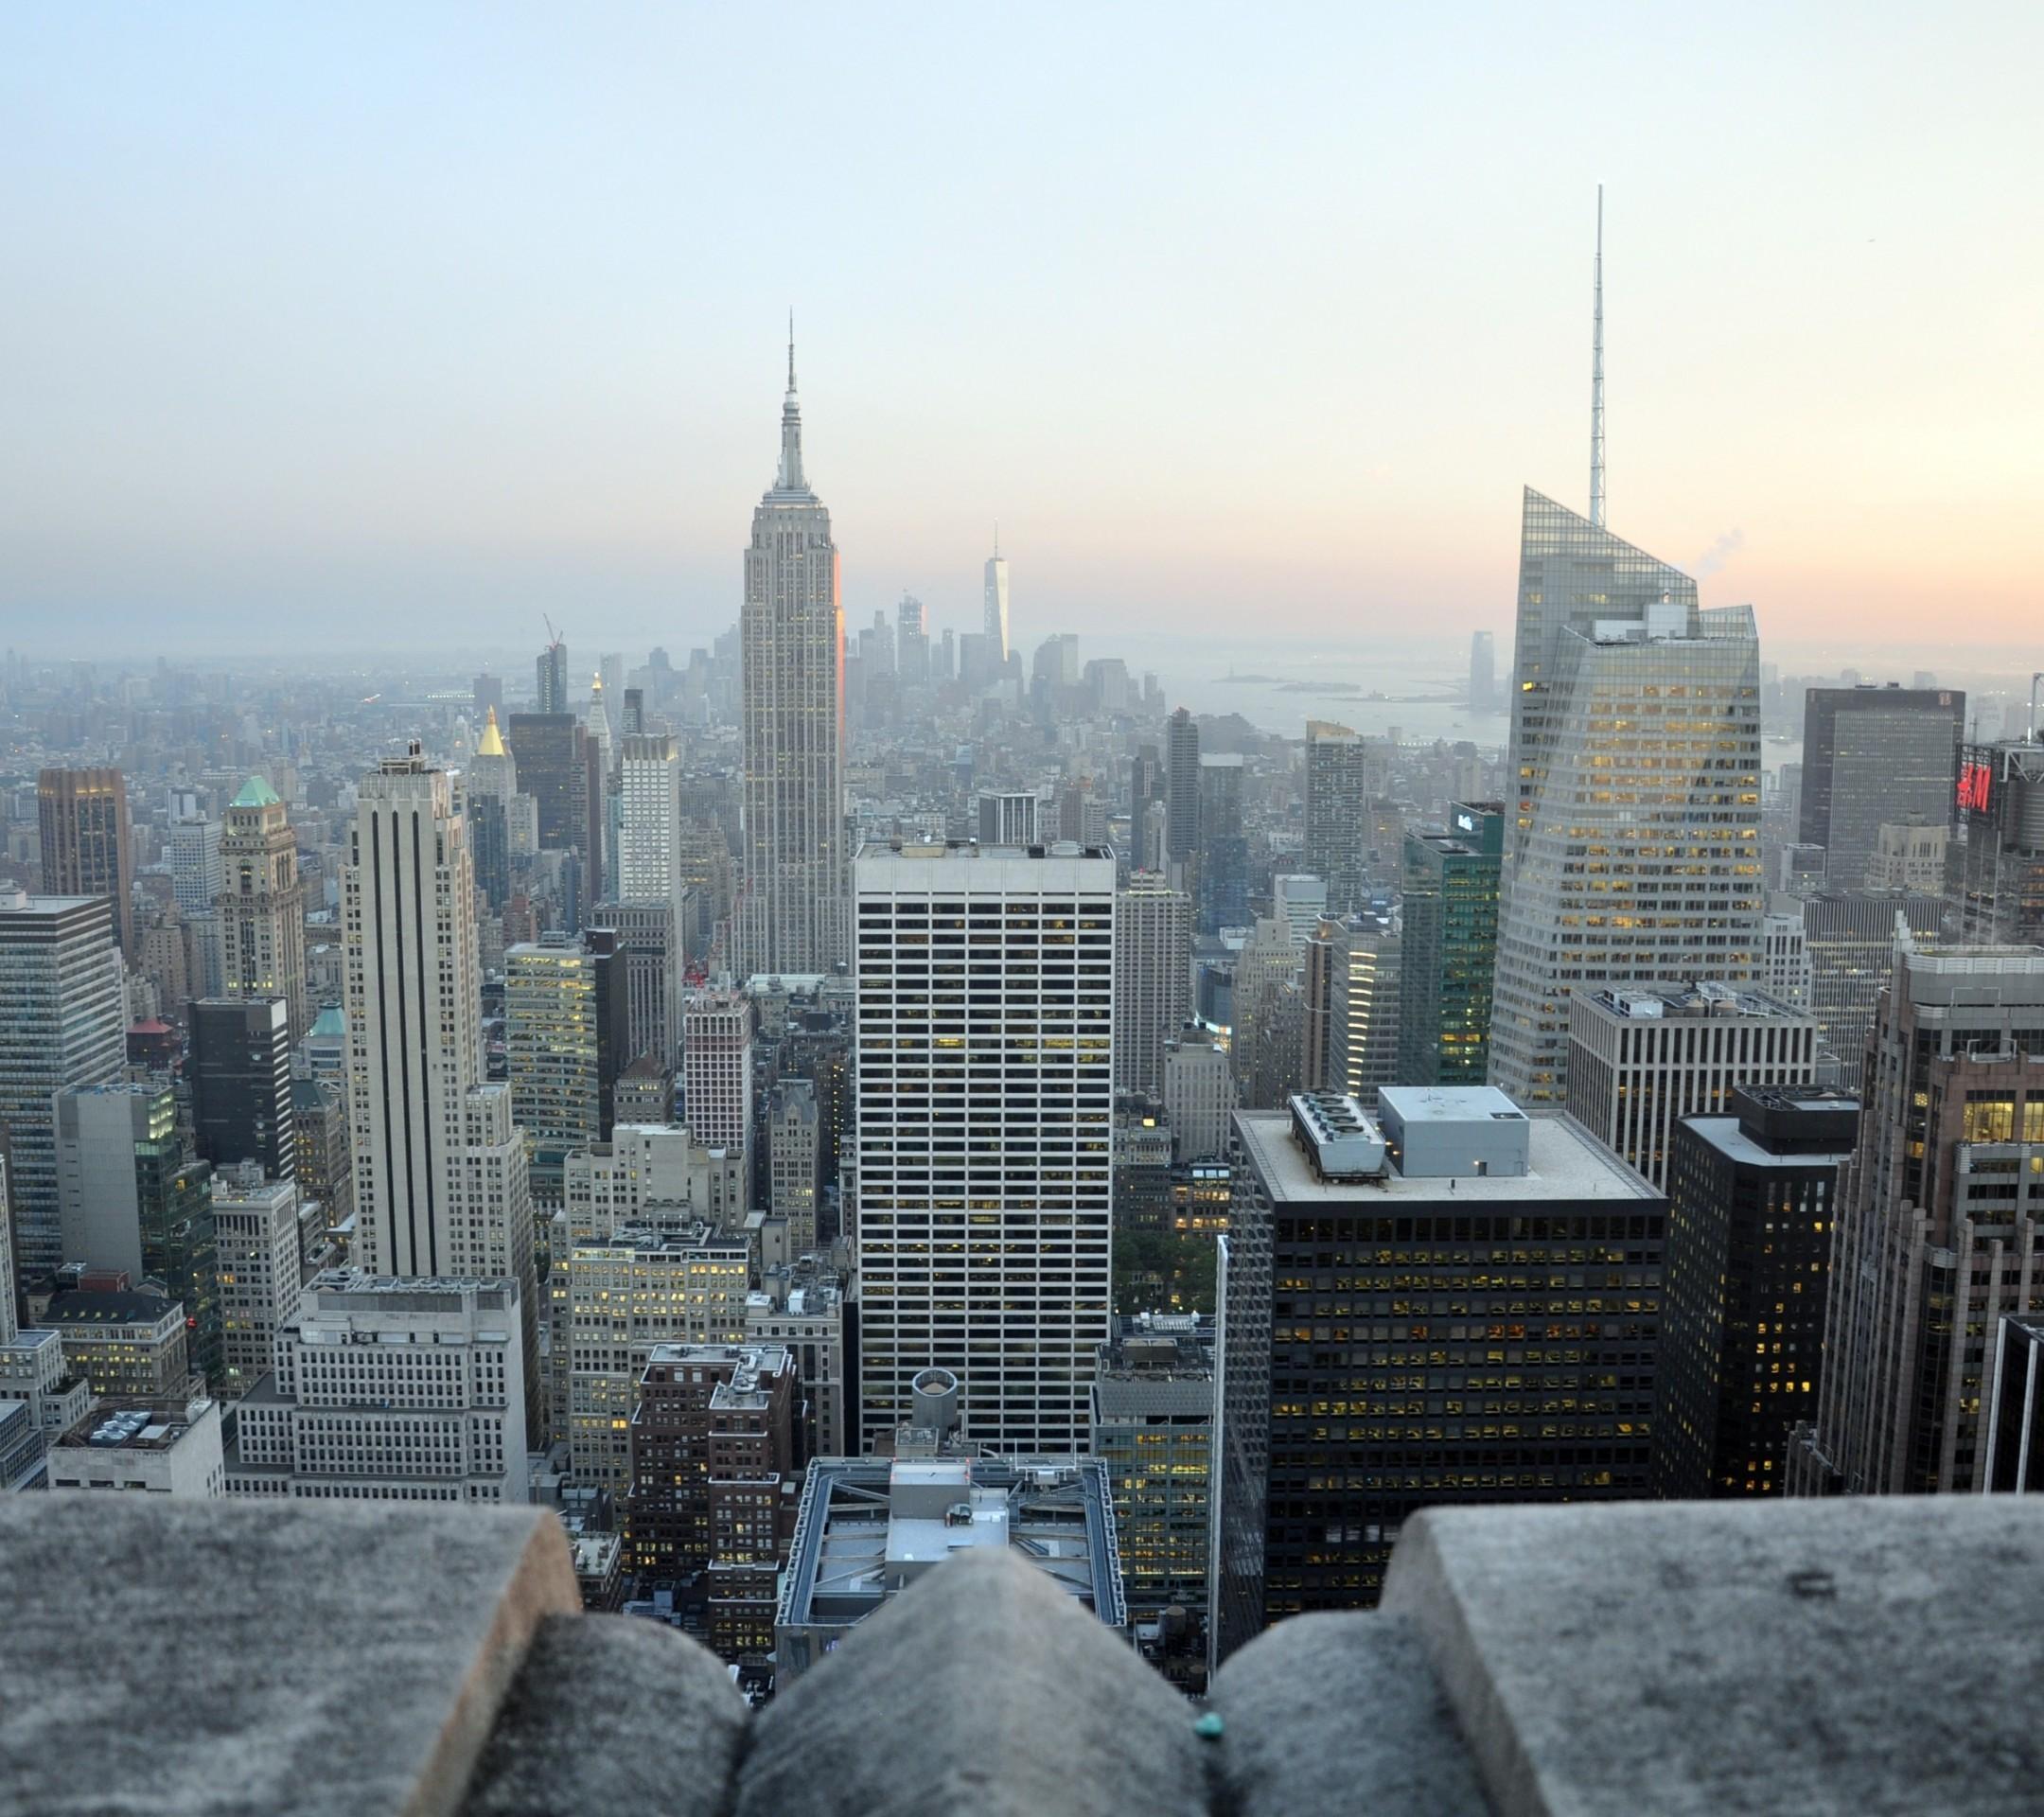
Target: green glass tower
point(1451, 913)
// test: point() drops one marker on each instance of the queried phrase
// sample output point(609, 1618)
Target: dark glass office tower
point(1750, 1201)
point(1181, 796)
point(1457, 1304)
point(240, 1079)
point(1222, 895)
point(1449, 952)
point(1871, 756)
point(553, 768)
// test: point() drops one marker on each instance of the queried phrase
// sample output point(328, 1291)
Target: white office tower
point(1633, 855)
point(1786, 969)
point(1153, 978)
point(716, 1069)
point(995, 626)
point(390, 1390)
point(984, 1132)
point(1299, 901)
point(256, 1227)
point(62, 1022)
point(649, 821)
point(193, 850)
point(791, 908)
point(441, 1184)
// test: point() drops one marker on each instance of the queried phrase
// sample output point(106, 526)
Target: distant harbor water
point(1277, 688)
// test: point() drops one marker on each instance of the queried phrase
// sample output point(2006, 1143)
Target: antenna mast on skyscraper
point(1597, 377)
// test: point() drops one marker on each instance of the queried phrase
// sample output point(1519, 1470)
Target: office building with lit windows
point(1639, 1061)
point(1448, 956)
point(1447, 1304)
point(984, 1060)
point(637, 1288)
point(1937, 1231)
point(565, 1040)
point(1633, 852)
point(1151, 1422)
point(1751, 1198)
point(255, 1233)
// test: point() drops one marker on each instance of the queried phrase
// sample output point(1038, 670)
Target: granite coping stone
point(616, 1715)
point(1857, 1656)
point(204, 1657)
point(981, 1687)
point(1341, 1712)
point(215, 1657)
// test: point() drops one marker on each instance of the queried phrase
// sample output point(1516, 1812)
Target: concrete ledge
point(363, 1660)
point(1328, 1713)
point(330, 1660)
point(614, 1716)
point(983, 1688)
point(1861, 1656)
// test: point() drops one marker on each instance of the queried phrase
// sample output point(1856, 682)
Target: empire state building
point(792, 910)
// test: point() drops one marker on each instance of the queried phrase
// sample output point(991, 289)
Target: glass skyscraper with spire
point(1633, 848)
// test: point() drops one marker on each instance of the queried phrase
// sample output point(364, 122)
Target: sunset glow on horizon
point(476, 315)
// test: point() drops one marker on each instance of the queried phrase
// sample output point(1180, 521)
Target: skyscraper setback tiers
point(794, 897)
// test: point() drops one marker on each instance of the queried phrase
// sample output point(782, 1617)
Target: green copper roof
point(330, 1020)
point(256, 793)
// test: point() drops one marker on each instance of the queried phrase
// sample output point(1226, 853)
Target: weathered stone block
point(1332, 1713)
point(612, 1715)
point(203, 1657)
point(984, 1689)
point(1859, 1656)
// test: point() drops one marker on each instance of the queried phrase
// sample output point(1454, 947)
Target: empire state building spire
point(791, 479)
point(791, 915)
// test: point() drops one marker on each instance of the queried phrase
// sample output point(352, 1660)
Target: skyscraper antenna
point(791, 314)
point(1597, 377)
point(996, 538)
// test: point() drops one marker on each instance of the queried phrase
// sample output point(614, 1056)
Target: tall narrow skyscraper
point(996, 604)
point(82, 821)
point(550, 694)
point(261, 905)
point(1153, 978)
point(440, 1176)
point(792, 910)
point(1338, 794)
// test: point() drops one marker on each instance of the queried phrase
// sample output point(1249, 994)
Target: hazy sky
point(432, 318)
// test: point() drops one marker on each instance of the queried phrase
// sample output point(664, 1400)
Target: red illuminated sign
point(1976, 784)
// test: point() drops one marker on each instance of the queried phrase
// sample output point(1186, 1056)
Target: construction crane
point(553, 636)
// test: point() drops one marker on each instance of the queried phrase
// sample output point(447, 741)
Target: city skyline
point(522, 395)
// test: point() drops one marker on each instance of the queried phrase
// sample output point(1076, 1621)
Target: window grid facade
point(985, 1077)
